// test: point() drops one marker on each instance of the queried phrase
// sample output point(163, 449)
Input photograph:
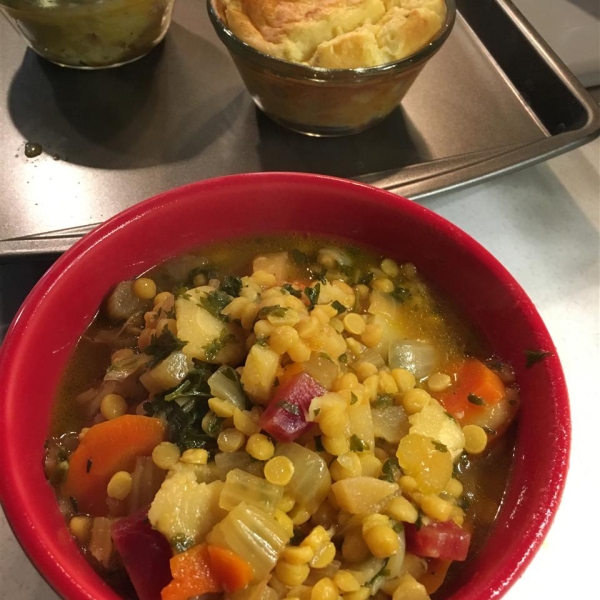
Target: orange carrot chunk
point(105, 449)
point(233, 572)
point(477, 387)
point(192, 575)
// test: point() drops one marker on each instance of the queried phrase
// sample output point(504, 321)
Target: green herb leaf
point(339, 307)
point(275, 310)
point(290, 289)
point(213, 348)
point(475, 399)
point(184, 407)
point(300, 258)
point(343, 358)
point(160, 347)
point(325, 356)
point(231, 285)
point(533, 357)
point(419, 521)
point(353, 398)
point(401, 294)
point(316, 412)
point(383, 572)
point(180, 543)
point(215, 302)
point(439, 446)
point(293, 409)
point(312, 293)
point(366, 278)
point(382, 401)
point(390, 470)
point(398, 527)
point(358, 445)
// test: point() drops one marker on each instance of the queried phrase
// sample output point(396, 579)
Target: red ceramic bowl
point(63, 303)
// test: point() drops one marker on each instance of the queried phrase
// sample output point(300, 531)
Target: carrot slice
point(477, 387)
point(233, 572)
point(192, 575)
point(107, 448)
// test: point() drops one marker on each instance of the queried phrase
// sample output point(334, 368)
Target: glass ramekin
point(326, 102)
point(90, 34)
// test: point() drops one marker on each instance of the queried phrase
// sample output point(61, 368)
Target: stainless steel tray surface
point(494, 99)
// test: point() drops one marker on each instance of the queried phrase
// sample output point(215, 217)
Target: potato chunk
point(357, 495)
point(433, 421)
point(260, 370)
point(208, 338)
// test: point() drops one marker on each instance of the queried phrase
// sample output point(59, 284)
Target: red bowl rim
point(63, 581)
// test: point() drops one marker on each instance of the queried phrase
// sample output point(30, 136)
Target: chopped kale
point(383, 401)
point(231, 285)
point(357, 444)
point(383, 572)
point(180, 543)
point(339, 307)
point(390, 470)
point(275, 310)
point(343, 358)
point(366, 278)
point(401, 294)
point(300, 258)
point(353, 398)
point(439, 446)
point(533, 357)
point(213, 348)
point(312, 293)
point(160, 347)
point(184, 407)
point(290, 289)
point(215, 302)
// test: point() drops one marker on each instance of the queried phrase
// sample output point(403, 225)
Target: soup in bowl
point(281, 385)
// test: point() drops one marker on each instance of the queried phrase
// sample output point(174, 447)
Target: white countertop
point(543, 224)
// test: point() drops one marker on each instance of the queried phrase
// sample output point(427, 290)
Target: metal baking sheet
point(494, 99)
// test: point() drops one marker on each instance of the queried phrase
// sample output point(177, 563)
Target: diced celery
point(311, 481)
point(253, 535)
point(240, 487)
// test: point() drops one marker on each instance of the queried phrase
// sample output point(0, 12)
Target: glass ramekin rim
point(301, 71)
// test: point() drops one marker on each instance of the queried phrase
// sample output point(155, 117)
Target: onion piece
point(420, 358)
point(225, 384)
